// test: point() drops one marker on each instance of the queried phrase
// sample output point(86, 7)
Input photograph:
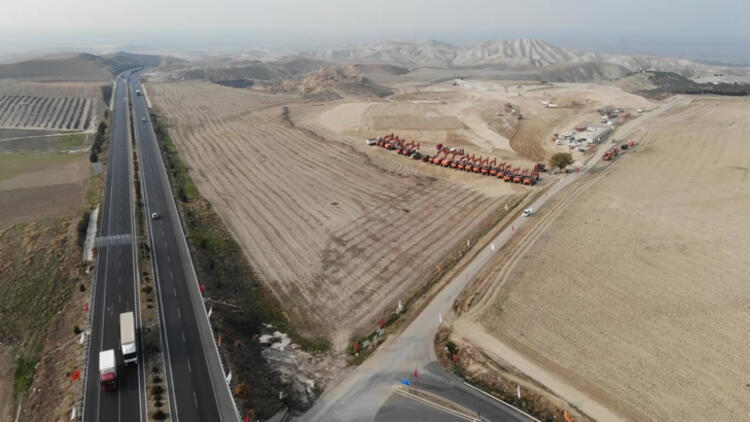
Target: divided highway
point(116, 288)
point(195, 377)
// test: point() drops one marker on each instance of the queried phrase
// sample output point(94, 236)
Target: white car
point(154, 215)
point(528, 212)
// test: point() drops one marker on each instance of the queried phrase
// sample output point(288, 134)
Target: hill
point(661, 85)
point(81, 67)
point(521, 54)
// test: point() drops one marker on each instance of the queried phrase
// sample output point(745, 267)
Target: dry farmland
point(38, 186)
point(337, 234)
point(638, 294)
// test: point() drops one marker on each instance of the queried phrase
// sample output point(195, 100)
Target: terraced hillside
point(338, 237)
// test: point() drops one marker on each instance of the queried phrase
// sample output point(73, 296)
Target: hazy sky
point(685, 27)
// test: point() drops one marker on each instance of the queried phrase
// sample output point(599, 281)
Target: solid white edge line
point(502, 402)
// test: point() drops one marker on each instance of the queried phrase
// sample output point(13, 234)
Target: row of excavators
point(457, 158)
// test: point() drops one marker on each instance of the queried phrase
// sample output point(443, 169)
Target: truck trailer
point(127, 338)
point(108, 370)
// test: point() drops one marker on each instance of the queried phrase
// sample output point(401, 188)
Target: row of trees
point(96, 147)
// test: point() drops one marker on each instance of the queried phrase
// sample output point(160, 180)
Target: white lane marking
point(188, 365)
point(119, 299)
point(179, 314)
point(195, 399)
point(174, 291)
point(170, 274)
point(183, 337)
point(168, 260)
point(165, 245)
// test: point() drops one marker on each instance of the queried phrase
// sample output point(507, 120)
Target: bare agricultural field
point(37, 186)
point(638, 292)
point(339, 236)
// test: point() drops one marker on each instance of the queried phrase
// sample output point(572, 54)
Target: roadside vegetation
point(240, 305)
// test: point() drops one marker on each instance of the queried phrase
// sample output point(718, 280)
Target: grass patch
point(24, 374)
point(72, 141)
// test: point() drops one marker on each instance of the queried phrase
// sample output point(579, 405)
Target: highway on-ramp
point(367, 393)
point(116, 285)
point(196, 381)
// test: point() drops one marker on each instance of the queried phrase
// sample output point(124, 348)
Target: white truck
point(108, 370)
point(138, 92)
point(127, 338)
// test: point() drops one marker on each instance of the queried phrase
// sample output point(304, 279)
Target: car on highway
point(528, 212)
point(154, 215)
point(143, 119)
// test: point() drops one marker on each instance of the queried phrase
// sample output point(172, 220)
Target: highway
point(116, 287)
point(195, 378)
point(367, 393)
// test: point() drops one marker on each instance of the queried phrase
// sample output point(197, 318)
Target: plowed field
point(337, 236)
point(637, 293)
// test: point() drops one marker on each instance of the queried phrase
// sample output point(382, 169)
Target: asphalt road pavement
point(116, 287)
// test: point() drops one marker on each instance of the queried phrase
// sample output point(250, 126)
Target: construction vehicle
point(493, 167)
point(108, 370)
point(630, 142)
point(138, 92)
point(372, 141)
point(518, 176)
point(476, 164)
point(438, 159)
point(484, 167)
point(508, 175)
point(530, 179)
point(127, 338)
point(449, 156)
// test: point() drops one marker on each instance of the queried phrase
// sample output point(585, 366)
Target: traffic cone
point(76, 375)
point(203, 288)
point(416, 373)
point(356, 346)
point(382, 323)
point(455, 358)
point(87, 307)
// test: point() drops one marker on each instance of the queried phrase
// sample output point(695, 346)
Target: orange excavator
point(518, 177)
point(508, 173)
point(493, 167)
point(463, 162)
point(448, 159)
point(501, 170)
point(477, 164)
point(484, 166)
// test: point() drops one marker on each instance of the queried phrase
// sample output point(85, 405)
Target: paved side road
point(115, 288)
point(197, 387)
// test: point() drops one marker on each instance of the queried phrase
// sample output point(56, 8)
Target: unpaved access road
point(636, 293)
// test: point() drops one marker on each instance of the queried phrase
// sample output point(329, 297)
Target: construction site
point(364, 196)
